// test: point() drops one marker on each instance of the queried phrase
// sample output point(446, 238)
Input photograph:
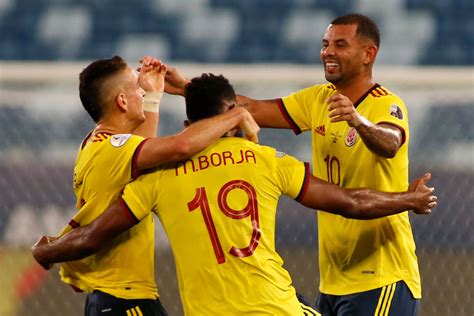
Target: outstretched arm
point(85, 240)
point(196, 137)
point(265, 112)
point(366, 203)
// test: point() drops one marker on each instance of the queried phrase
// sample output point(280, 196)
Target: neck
point(356, 87)
point(114, 126)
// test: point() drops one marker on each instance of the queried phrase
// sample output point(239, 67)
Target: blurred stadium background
point(268, 49)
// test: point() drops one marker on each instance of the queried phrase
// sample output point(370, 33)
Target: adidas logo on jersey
point(320, 130)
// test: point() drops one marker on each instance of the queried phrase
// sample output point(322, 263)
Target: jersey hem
point(370, 288)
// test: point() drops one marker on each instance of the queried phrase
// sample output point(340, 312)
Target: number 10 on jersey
point(250, 210)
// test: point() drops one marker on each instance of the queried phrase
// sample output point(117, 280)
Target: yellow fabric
point(125, 269)
point(197, 199)
point(356, 255)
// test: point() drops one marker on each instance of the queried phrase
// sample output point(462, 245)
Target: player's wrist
point(152, 100)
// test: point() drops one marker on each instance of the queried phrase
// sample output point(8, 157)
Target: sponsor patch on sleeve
point(396, 111)
point(119, 140)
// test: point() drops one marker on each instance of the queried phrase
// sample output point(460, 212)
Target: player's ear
point(121, 102)
point(370, 54)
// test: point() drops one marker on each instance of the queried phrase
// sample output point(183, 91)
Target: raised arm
point(151, 79)
point(265, 112)
point(382, 139)
point(196, 137)
point(366, 203)
point(85, 240)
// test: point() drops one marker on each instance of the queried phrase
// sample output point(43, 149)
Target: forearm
point(203, 133)
point(370, 204)
point(380, 139)
point(74, 245)
point(265, 112)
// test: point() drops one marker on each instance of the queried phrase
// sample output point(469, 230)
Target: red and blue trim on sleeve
point(304, 187)
point(127, 211)
point(404, 137)
point(286, 115)
point(135, 171)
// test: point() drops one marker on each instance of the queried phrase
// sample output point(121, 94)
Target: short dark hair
point(366, 27)
point(205, 95)
point(91, 81)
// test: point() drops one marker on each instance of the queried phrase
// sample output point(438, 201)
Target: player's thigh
point(99, 303)
point(391, 300)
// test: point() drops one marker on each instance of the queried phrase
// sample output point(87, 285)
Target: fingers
point(163, 69)
point(149, 63)
point(341, 108)
point(425, 178)
point(252, 138)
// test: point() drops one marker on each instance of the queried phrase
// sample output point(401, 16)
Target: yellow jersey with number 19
point(218, 209)
point(125, 269)
point(356, 255)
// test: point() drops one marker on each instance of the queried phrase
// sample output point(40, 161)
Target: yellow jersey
point(125, 269)
point(356, 255)
point(218, 209)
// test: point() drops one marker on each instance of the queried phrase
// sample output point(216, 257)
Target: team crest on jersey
point(280, 154)
point(119, 140)
point(396, 111)
point(351, 137)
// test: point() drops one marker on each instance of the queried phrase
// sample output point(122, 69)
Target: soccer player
point(112, 156)
point(360, 138)
point(218, 209)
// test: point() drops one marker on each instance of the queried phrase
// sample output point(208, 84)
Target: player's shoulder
point(380, 92)
point(244, 144)
point(121, 140)
point(327, 88)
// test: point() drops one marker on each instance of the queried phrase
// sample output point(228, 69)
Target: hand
point(37, 251)
point(341, 109)
point(249, 127)
point(152, 74)
point(424, 198)
point(175, 82)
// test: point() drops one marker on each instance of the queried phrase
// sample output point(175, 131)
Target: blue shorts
point(307, 309)
point(102, 304)
point(391, 300)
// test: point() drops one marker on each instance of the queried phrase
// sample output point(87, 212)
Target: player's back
point(218, 210)
point(105, 164)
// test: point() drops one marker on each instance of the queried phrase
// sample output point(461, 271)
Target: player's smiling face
point(342, 54)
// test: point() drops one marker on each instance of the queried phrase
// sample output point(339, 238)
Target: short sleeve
point(295, 108)
point(140, 196)
point(392, 111)
point(125, 148)
point(292, 175)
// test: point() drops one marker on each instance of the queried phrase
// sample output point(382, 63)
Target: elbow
point(390, 151)
point(389, 154)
